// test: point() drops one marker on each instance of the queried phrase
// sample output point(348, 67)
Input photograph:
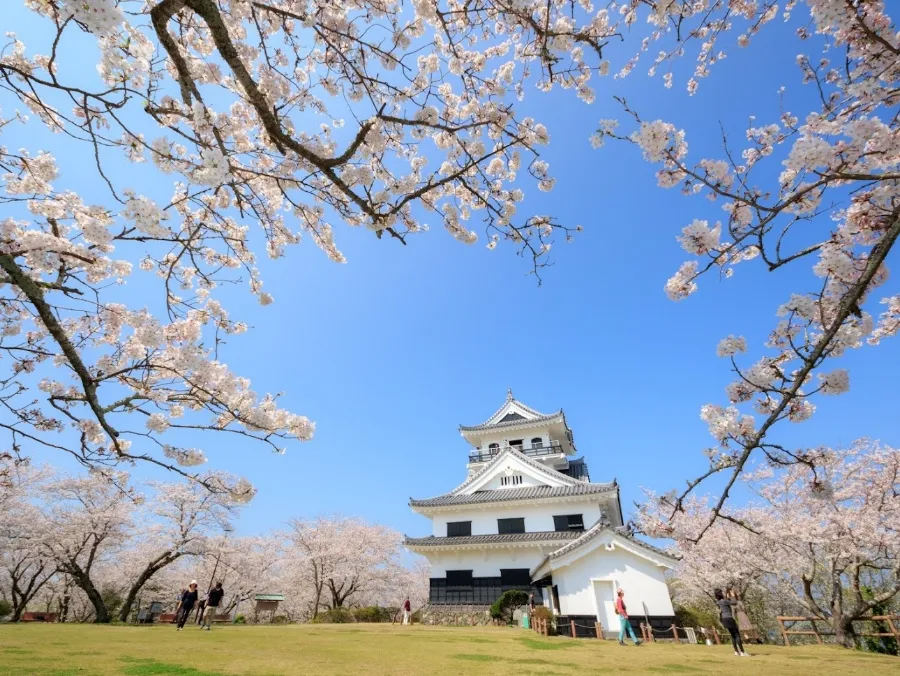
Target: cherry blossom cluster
point(64, 538)
point(835, 204)
point(285, 118)
point(99, 532)
point(810, 536)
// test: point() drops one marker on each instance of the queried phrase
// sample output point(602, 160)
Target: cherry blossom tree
point(86, 520)
point(24, 569)
point(244, 104)
point(822, 545)
point(345, 559)
point(180, 519)
point(726, 557)
point(415, 582)
point(246, 565)
point(107, 537)
point(834, 205)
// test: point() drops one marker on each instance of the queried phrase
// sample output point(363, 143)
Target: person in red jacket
point(624, 624)
point(407, 614)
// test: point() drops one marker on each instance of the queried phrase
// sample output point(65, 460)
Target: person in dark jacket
point(213, 600)
point(726, 615)
point(201, 608)
point(188, 600)
point(178, 605)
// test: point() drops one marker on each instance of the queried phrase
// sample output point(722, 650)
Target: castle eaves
point(514, 494)
point(505, 538)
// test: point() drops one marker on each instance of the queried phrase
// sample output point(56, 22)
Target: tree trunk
point(22, 596)
point(64, 606)
point(340, 594)
point(844, 634)
point(101, 612)
point(152, 568)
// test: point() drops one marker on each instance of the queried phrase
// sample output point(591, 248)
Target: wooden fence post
point(573, 629)
point(893, 629)
point(675, 633)
point(784, 634)
point(599, 629)
point(715, 633)
point(816, 630)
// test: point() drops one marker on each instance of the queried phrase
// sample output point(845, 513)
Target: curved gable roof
point(603, 526)
point(512, 412)
point(557, 485)
point(529, 493)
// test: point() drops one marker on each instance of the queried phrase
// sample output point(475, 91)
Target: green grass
point(373, 650)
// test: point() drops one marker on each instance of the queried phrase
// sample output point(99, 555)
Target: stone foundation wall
point(468, 616)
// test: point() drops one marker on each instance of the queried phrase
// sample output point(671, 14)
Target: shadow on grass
point(13, 670)
point(150, 667)
point(472, 657)
point(479, 657)
point(443, 638)
point(546, 645)
point(675, 669)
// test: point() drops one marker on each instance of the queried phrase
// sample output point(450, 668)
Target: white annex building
point(528, 517)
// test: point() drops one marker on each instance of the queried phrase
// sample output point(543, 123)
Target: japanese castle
point(528, 517)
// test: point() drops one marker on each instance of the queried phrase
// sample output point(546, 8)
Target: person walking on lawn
point(726, 616)
point(213, 599)
point(201, 606)
point(624, 624)
point(188, 599)
point(178, 605)
point(407, 611)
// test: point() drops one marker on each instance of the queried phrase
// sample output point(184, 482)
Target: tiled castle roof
point(496, 538)
point(509, 494)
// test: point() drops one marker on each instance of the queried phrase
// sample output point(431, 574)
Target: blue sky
point(390, 352)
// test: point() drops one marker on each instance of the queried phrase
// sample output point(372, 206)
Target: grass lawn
point(367, 650)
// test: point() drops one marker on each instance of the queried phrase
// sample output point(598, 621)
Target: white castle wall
point(503, 437)
point(486, 563)
point(643, 581)
point(537, 517)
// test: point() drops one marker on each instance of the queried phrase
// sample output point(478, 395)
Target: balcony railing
point(531, 451)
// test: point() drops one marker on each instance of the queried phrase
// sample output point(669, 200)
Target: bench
point(38, 617)
point(170, 617)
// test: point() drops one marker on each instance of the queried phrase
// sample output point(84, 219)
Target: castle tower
point(528, 517)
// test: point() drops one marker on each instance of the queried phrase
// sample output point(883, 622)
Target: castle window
point(459, 528)
point(493, 448)
point(514, 480)
point(567, 522)
point(536, 442)
point(459, 578)
point(509, 526)
point(515, 577)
